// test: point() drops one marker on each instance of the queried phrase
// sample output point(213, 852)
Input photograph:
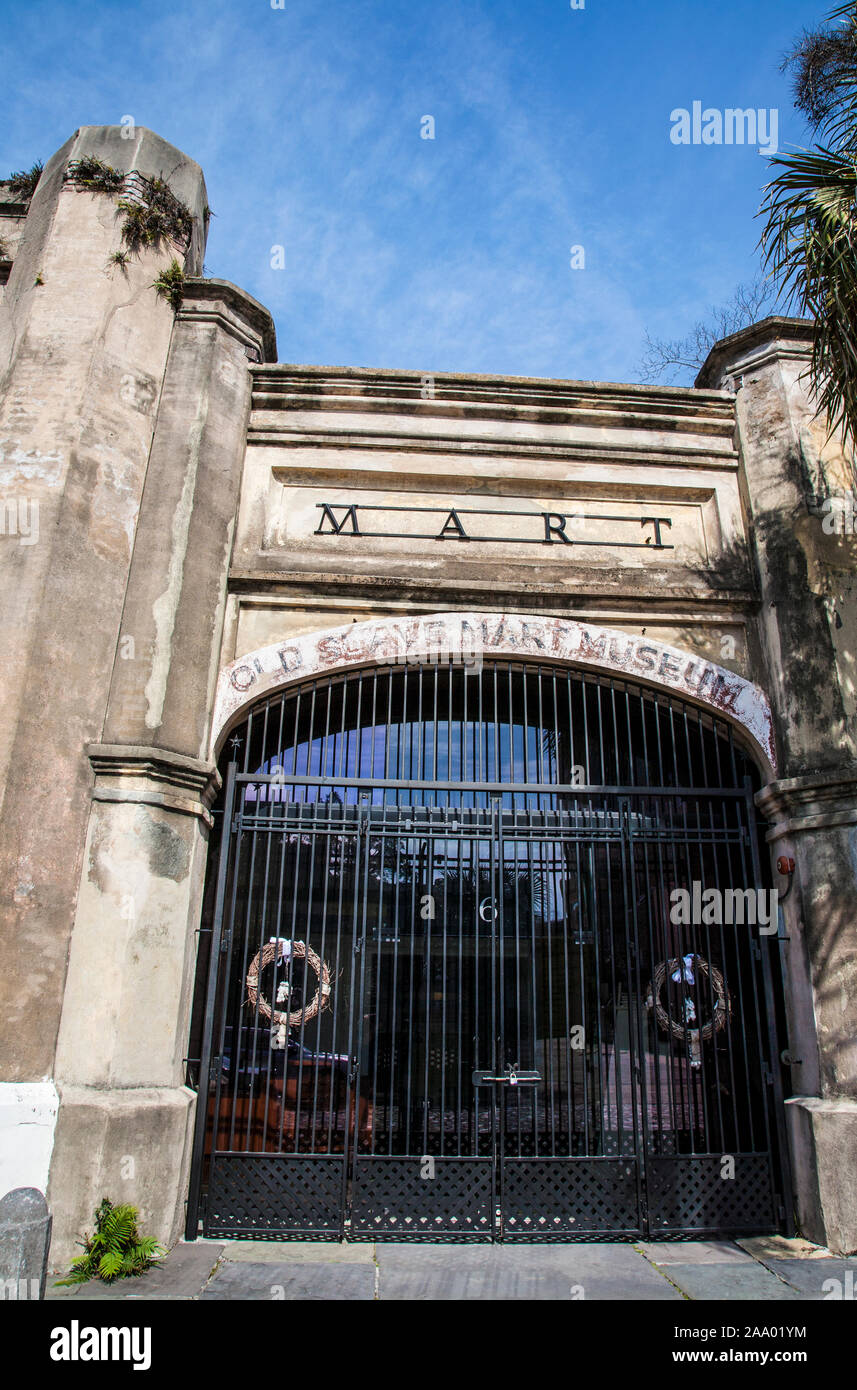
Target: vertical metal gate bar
point(301, 1060)
point(532, 1000)
point(518, 993)
point(549, 901)
point(311, 881)
point(635, 1050)
point(268, 789)
point(643, 846)
point(283, 845)
point(636, 1036)
point(289, 980)
point(410, 1014)
point(777, 1090)
point(443, 976)
point(426, 1031)
point(388, 1019)
point(379, 956)
point(564, 878)
point(585, 881)
point(718, 1140)
point(728, 1022)
point(214, 964)
point(746, 1012)
point(340, 841)
point(695, 1086)
point(662, 945)
point(783, 1156)
point(497, 1022)
point(236, 1058)
point(603, 1090)
point(464, 872)
point(355, 1014)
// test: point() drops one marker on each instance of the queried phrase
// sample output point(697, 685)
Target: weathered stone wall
point(83, 347)
point(147, 840)
point(103, 844)
point(807, 635)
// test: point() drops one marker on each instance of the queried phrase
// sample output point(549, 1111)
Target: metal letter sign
point(549, 528)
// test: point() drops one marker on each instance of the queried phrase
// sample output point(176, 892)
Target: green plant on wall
point(151, 215)
point(170, 284)
point(160, 217)
point(22, 185)
point(95, 175)
point(115, 1250)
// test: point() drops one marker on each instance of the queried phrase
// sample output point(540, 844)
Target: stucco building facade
point(195, 533)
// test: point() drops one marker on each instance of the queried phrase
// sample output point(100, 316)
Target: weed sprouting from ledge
point(170, 284)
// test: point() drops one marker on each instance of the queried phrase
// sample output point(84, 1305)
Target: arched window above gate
point(540, 731)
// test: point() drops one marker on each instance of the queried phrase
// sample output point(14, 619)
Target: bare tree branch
point(670, 362)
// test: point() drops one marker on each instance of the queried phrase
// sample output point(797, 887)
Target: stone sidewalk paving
point(766, 1269)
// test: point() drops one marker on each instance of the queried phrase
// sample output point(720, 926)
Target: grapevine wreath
point(280, 949)
point(679, 1029)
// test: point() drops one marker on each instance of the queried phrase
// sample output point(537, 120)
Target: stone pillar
point(807, 633)
point(815, 823)
point(126, 1118)
point(83, 350)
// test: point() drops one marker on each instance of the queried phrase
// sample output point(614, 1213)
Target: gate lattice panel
point(446, 1199)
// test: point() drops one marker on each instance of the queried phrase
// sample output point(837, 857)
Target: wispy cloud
point(452, 253)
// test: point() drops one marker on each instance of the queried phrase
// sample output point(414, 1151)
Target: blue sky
point(551, 130)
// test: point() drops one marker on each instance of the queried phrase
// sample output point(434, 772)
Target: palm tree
point(810, 236)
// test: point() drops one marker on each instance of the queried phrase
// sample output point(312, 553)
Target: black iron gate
point(489, 958)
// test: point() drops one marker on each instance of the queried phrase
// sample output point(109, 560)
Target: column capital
point(819, 801)
point(154, 777)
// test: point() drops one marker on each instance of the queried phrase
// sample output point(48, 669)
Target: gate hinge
point(226, 940)
point(214, 1068)
point(769, 1077)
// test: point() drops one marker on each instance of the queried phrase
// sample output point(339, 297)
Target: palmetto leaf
point(810, 248)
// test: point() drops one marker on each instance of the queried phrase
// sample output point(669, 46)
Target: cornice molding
point(770, 338)
point(198, 294)
point(498, 446)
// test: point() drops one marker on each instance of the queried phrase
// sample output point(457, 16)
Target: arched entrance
point(489, 959)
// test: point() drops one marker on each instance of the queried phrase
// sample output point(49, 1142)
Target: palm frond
point(809, 247)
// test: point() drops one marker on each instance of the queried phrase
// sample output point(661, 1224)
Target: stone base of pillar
point(128, 1145)
point(823, 1137)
